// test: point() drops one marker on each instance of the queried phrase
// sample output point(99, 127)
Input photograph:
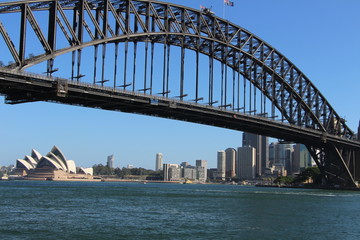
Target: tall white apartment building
point(159, 162)
point(230, 155)
point(110, 161)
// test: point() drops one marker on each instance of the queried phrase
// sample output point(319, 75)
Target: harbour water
point(105, 210)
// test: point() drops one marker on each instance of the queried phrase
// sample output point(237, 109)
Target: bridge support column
point(357, 165)
point(337, 164)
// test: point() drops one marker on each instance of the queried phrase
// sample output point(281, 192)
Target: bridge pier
point(357, 165)
point(337, 164)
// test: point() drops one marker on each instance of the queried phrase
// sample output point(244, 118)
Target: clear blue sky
point(320, 37)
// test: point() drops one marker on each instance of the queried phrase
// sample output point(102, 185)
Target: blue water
point(103, 210)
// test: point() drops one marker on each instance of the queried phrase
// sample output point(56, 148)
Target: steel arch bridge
point(169, 61)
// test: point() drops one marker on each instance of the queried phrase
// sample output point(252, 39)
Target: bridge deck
point(20, 87)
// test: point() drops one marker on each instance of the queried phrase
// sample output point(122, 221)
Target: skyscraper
point(110, 161)
point(221, 161)
point(260, 143)
point(272, 154)
point(230, 164)
point(302, 158)
point(283, 156)
point(159, 162)
point(246, 162)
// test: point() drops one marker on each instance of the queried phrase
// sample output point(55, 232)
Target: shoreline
point(309, 187)
point(176, 182)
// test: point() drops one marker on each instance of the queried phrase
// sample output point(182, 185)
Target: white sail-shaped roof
point(23, 164)
point(88, 171)
point(59, 153)
point(30, 160)
point(55, 158)
point(46, 161)
point(36, 155)
point(71, 166)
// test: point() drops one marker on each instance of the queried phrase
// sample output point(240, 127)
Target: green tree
point(309, 173)
point(284, 180)
point(100, 169)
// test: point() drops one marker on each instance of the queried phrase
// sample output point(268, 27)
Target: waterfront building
point(201, 174)
point(29, 162)
point(260, 143)
point(110, 161)
point(212, 173)
point(246, 162)
point(221, 165)
point(171, 172)
point(189, 172)
point(201, 166)
point(159, 162)
point(358, 133)
point(230, 164)
point(54, 166)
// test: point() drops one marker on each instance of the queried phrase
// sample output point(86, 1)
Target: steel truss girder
point(286, 86)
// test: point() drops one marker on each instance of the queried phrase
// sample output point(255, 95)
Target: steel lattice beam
point(114, 21)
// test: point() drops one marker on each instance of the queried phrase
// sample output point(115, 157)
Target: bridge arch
point(289, 90)
point(112, 22)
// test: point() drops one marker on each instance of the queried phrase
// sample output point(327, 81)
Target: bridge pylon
point(338, 165)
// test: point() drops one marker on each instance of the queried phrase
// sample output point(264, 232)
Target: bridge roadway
point(21, 87)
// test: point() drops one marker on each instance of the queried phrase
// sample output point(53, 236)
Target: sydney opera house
point(53, 166)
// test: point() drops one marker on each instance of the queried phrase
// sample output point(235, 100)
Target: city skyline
point(89, 135)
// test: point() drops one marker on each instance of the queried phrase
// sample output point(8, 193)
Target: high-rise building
point(246, 162)
point(358, 133)
point(221, 163)
point(159, 162)
point(201, 170)
point(230, 164)
point(283, 156)
point(264, 153)
point(289, 160)
point(272, 154)
point(302, 158)
point(260, 143)
point(110, 161)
